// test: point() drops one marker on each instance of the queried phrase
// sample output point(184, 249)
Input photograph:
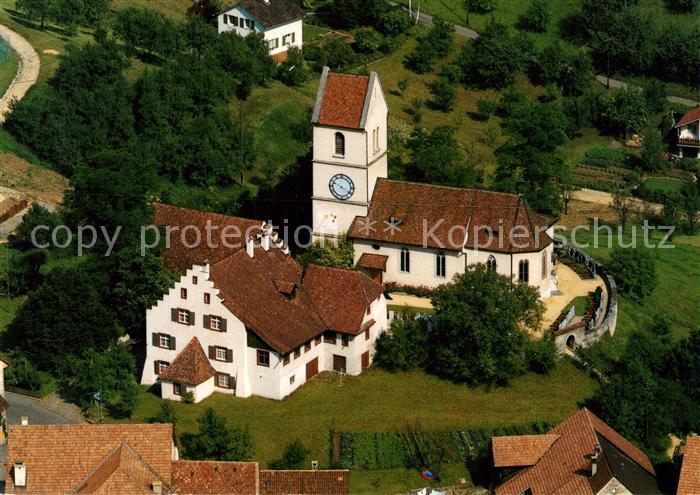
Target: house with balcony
point(688, 134)
point(278, 21)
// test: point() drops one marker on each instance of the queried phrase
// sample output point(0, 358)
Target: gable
point(268, 14)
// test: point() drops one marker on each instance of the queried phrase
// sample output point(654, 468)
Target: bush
point(486, 108)
point(292, 71)
point(126, 404)
point(541, 354)
point(294, 457)
point(634, 271)
point(336, 54)
point(536, 17)
point(23, 273)
point(443, 94)
point(368, 40)
point(394, 22)
point(404, 348)
point(37, 216)
point(482, 6)
point(23, 374)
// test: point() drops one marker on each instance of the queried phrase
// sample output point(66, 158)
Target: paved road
point(21, 405)
point(28, 69)
point(471, 34)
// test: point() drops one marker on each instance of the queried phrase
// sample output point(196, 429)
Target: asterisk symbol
point(392, 225)
point(367, 225)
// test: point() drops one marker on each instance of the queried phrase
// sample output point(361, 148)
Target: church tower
point(349, 149)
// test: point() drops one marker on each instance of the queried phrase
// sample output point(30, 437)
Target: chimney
point(205, 267)
point(265, 234)
point(250, 247)
point(20, 472)
point(157, 487)
point(594, 460)
point(24, 420)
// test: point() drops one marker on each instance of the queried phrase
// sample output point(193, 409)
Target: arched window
point(491, 264)
point(524, 271)
point(405, 260)
point(339, 144)
point(440, 264)
point(544, 265)
point(571, 342)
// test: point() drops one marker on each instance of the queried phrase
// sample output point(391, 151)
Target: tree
point(443, 94)
point(482, 6)
point(690, 204)
point(336, 54)
point(634, 271)
point(654, 91)
point(486, 108)
point(653, 152)
point(368, 40)
point(292, 71)
point(206, 10)
point(23, 273)
point(623, 204)
point(166, 414)
point(481, 325)
point(37, 216)
point(355, 13)
point(328, 253)
point(626, 111)
point(128, 398)
point(683, 6)
point(149, 30)
point(536, 17)
point(293, 457)
point(36, 9)
point(436, 158)
point(218, 441)
point(394, 22)
point(541, 354)
point(404, 348)
point(567, 187)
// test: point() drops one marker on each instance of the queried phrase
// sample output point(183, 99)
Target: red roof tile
point(447, 218)
point(690, 116)
point(94, 458)
point(343, 100)
point(214, 477)
point(332, 482)
point(191, 366)
point(523, 450)
point(689, 480)
point(373, 261)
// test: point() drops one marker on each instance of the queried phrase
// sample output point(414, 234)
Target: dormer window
point(339, 144)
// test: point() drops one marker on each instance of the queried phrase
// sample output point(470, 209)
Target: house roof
point(690, 116)
point(270, 13)
point(447, 218)
point(87, 458)
point(518, 451)
point(184, 250)
point(191, 366)
point(689, 480)
point(565, 466)
point(373, 261)
point(342, 99)
point(331, 482)
point(214, 477)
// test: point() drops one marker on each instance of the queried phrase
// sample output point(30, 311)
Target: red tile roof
point(689, 480)
point(90, 458)
point(441, 217)
point(564, 468)
point(343, 100)
point(373, 261)
point(180, 255)
point(191, 366)
point(690, 116)
point(523, 450)
point(332, 482)
point(214, 477)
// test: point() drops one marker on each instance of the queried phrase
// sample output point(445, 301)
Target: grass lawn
point(402, 480)
point(377, 400)
point(579, 303)
point(175, 9)
point(312, 32)
point(664, 184)
point(8, 69)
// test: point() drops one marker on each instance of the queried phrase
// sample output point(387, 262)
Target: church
point(410, 234)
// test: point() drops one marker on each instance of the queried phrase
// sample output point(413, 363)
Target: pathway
point(427, 19)
point(605, 198)
point(570, 286)
point(27, 73)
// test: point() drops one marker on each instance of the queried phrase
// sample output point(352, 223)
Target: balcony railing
point(688, 142)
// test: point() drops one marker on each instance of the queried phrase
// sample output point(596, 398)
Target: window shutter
point(173, 314)
point(229, 355)
point(231, 382)
point(223, 324)
point(155, 366)
point(156, 339)
point(172, 343)
point(205, 321)
point(190, 319)
point(212, 352)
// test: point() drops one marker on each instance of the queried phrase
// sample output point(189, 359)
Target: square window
point(307, 346)
point(183, 316)
point(206, 298)
point(297, 353)
point(164, 341)
point(329, 337)
point(215, 323)
point(291, 379)
point(183, 293)
point(222, 380)
point(220, 354)
point(162, 365)
point(317, 341)
point(285, 361)
point(194, 280)
point(345, 340)
point(177, 389)
point(263, 358)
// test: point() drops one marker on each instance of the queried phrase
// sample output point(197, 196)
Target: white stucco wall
point(275, 32)
point(199, 392)
point(2, 377)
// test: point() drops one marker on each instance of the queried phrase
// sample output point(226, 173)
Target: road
point(427, 19)
point(28, 69)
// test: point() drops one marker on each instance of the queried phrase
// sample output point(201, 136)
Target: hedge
point(413, 447)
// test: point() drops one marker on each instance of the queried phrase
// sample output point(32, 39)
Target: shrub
point(23, 374)
point(23, 274)
point(443, 94)
point(293, 70)
point(368, 40)
point(634, 271)
point(126, 404)
point(541, 354)
point(37, 216)
point(482, 6)
point(404, 348)
point(394, 22)
point(486, 108)
point(294, 456)
point(536, 17)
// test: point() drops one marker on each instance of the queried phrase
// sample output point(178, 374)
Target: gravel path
point(27, 73)
point(614, 83)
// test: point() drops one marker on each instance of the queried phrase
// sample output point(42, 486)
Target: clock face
point(341, 186)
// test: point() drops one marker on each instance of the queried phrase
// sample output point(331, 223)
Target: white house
point(3, 402)
point(279, 22)
point(407, 233)
point(255, 322)
point(688, 137)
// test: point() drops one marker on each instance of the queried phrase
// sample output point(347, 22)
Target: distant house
point(140, 459)
point(253, 321)
point(3, 403)
point(688, 134)
point(279, 21)
point(582, 455)
point(689, 479)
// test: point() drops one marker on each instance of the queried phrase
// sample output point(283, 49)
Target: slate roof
point(341, 99)
point(447, 218)
point(214, 477)
point(373, 261)
point(270, 13)
point(566, 466)
point(689, 480)
point(86, 458)
point(690, 116)
point(518, 451)
point(331, 482)
point(191, 366)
